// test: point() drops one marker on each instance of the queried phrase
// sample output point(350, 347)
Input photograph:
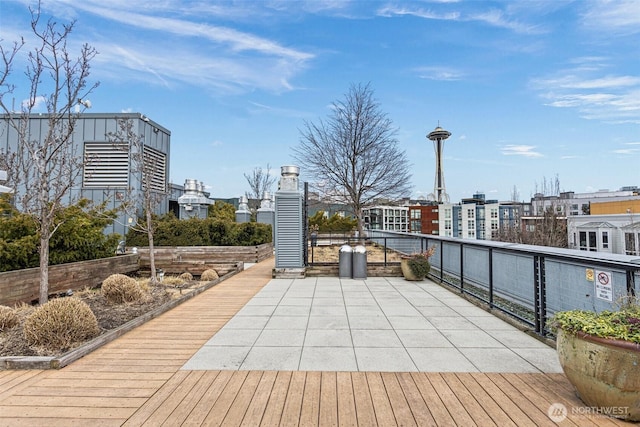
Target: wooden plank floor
point(136, 380)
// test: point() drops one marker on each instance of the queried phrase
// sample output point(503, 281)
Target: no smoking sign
point(604, 288)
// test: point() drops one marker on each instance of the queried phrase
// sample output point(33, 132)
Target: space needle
point(438, 136)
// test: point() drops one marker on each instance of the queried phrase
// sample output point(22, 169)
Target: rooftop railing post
point(385, 251)
point(311, 254)
point(631, 286)
point(540, 295)
point(441, 261)
point(536, 292)
point(490, 277)
point(461, 267)
point(543, 298)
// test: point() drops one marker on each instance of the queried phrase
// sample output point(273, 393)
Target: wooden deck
point(136, 380)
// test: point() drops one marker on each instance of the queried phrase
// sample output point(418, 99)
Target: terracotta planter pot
point(407, 272)
point(605, 372)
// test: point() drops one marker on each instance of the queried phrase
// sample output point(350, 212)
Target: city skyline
point(528, 90)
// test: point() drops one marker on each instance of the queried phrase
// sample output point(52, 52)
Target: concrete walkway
point(383, 324)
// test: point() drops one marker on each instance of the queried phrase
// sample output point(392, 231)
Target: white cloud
point(634, 147)
point(622, 16)
point(232, 39)
point(627, 151)
point(258, 108)
point(166, 44)
point(611, 98)
point(493, 17)
point(390, 11)
point(439, 73)
point(520, 150)
point(39, 103)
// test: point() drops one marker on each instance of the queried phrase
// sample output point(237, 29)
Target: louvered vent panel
point(288, 229)
point(155, 165)
point(107, 165)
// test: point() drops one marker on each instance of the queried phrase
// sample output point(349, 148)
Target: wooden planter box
point(24, 285)
point(196, 259)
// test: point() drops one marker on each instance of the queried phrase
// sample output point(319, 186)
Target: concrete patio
point(384, 324)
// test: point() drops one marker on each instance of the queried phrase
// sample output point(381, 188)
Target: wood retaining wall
point(24, 285)
point(374, 269)
point(196, 259)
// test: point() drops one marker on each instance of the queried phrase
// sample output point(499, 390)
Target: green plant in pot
point(600, 355)
point(417, 266)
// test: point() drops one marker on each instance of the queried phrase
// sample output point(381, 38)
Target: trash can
point(360, 262)
point(345, 256)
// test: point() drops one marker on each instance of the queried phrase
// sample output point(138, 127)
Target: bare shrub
point(209, 275)
point(186, 276)
point(120, 288)
point(173, 281)
point(8, 318)
point(60, 323)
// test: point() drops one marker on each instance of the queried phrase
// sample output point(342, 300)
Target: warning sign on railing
point(604, 287)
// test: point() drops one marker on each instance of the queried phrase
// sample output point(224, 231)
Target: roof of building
point(597, 224)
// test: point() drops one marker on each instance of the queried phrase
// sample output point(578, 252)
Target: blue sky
point(528, 89)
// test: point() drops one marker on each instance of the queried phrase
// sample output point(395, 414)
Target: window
point(470, 213)
point(583, 240)
point(447, 213)
point(630, 244)
point(494, 213)
point(605, 240)
point(593, 245)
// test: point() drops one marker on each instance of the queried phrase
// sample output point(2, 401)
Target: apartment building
point(391, 218)
point(477, 218)
point(613, 227)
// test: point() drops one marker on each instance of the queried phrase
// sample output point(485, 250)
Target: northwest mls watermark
point(557, 412)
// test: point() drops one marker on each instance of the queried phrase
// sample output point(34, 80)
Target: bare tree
point(548, 226)
point(143, 165)
point(43, 166)
point(260, 181)
point(354, 155)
